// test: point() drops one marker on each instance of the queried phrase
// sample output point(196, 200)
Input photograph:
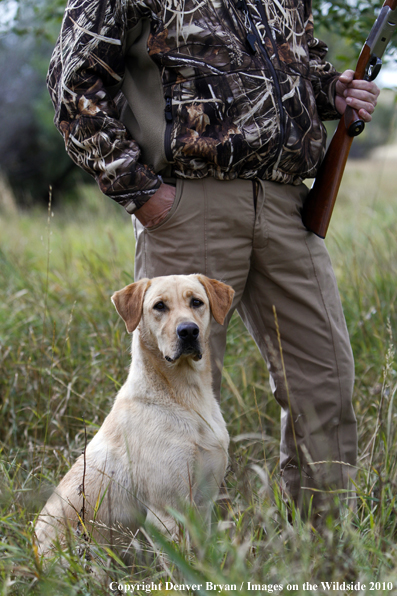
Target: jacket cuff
point(327, 109)
point(332, 94)
point(135, 202)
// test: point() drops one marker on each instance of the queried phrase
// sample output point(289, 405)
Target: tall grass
point(64, 353)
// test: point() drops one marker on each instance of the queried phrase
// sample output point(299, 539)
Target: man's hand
point(358, 94)
point(156, 208)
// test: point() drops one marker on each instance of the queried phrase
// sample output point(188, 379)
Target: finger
point(344, 81)
point(341, 86)
point(365, 86)
point(363, 91)
point(361, 96)
point(346, 77)
point(357, 104)
point(364, 110)
point(365, 115)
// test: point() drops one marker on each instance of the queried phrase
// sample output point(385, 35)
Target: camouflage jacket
point(144, 89)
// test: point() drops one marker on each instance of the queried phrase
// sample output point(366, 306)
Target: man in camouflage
point(202, 118)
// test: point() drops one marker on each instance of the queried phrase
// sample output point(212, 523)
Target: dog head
point(174, 312)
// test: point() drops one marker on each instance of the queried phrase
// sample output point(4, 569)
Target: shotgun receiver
point(317, 210)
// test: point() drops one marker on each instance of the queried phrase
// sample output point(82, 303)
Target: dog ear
point(129, 303)
point(220, 296)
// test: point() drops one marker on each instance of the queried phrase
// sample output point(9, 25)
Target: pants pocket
point(171, 212)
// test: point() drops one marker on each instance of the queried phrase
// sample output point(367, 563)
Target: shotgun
point(318, 207)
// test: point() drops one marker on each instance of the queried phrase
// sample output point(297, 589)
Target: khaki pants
point(250, 235)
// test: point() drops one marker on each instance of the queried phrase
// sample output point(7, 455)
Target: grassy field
point(64, 353)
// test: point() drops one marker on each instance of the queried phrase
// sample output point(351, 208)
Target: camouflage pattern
point(237, 111)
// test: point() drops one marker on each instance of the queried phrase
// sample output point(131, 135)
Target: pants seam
point(260, 206)
point(205, 228)
point(144, 253)
point(335, 354)
point(255, 328)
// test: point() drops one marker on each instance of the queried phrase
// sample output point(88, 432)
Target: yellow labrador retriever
point(164, 443)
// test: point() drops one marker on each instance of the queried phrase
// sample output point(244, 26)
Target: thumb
point(346, 77)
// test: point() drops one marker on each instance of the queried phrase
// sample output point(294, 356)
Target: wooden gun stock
point(320, 201)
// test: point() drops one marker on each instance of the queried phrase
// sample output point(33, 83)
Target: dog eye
point(196, 303)
point(159, 306)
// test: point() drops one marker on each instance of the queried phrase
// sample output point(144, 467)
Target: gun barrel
point(382, 31)
point(319, 204)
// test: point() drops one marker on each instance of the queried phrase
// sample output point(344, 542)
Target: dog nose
point(188, 331)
